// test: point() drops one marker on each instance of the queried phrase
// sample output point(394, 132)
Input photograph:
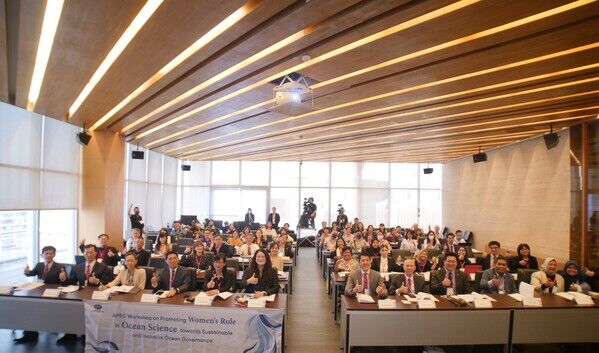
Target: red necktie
point(46, 269)
point(409, 280)
point(88, 271)
point(365, 281)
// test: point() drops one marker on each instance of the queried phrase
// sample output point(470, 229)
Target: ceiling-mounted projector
point(292, 91)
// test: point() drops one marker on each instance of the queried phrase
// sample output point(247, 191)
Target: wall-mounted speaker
point(84, 138)
point(551, 140)
point(428, 170)
point(137, 154)
point(185, 167)
point(479, 157)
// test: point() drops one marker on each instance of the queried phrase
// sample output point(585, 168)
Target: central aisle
point(310, 325)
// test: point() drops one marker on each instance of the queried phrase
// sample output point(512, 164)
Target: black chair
point(477, 277)
point(179, 249)
point(525, 275)
point(255, 226)
point(79, 259)
point(110, 273)
point(157, 262)
point(468, 236)
point(149, 274)
point(148, 245)
point(192, 275)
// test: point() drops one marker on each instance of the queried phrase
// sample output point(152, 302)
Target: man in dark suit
point(219, 247)
point(141, 254)
point(489, 260)
point(365, 280)
point(106, 254)
point(174, 280)
point(408, 282)
point(48, 271)
point(451, 246)
point(88, 273)
point(274, 218)
point(498, 280)
point(449, 280)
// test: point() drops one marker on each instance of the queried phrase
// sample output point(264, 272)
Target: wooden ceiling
point(412, 81)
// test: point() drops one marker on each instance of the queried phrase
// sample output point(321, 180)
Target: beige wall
point(102, 188)
point(521, 194)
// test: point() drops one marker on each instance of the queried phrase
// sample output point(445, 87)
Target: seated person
point(523, 260)
point(130, 275)
point(410, 244)
point(196, 257)
point(162, 246)
point(346, 262)
point(449, 280)
point(489, 260)
point(451, 246)
point(375, 248)
point(329, 240)
point(365, 280)
point(497, 280)
point(408, 282)
point(219, 247)
point(130, 244)
point(459, 237)
point(284, 245)
point(463, 260)
point(260, 278)
point(348, 236)
point(174, 279)
point(141, 254)
point(269, 231)
point(206, 238)
point(338, 252)
point(48, 271)
point(275, 259)
point(385, 263)
point(234, 239)
point(261, 240)
point(219, 279)
point(358, 243)
point(249, 248)
point(548, 280)
point(430, 242)
point(576, 280)
point(88, 273)
point(422, 262)
point(107, 254)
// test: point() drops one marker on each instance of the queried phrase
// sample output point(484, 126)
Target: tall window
point(39, 193)
point(390, 193)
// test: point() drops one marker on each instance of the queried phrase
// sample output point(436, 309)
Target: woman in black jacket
point(523, 260)
point(260, 278)
point(219, 279)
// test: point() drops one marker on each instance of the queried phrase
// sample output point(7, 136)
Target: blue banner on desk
point(136, 327)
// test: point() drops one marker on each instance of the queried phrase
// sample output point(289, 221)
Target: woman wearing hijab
point(574, 278)
point(548, 280)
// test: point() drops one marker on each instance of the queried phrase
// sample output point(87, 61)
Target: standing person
point(48, 271)
point(274, 218)
point(135, 217)
point(107, 254)
point(342, 218)
point(311, 209)
point(249, 218)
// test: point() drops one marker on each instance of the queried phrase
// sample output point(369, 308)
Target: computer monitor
point(186, 219)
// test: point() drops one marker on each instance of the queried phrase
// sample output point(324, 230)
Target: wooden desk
point(507, 323)
point(28, 310)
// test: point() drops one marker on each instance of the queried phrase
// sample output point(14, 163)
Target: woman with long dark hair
point(260, 278)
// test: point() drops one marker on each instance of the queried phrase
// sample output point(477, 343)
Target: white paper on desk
point(565, 295)
point(270, 298)
point(163, 295)
point(256, 303)
point(69, 289)
point(126, 289)
point(203, 299)
point(51, 293)
point(426, 296)
point(6, 289)
point(29, 285)
point(476, 295)
point(536, 302)
point(426, 304)
point(586, 300)
point(149, 298)
point(594, 294)
point(466, 297)
point(387, 304)
point(224, 295)
point(481, 302)
point(101, 295)
point(526, 290)
point(517, 296)
point(364, 298)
